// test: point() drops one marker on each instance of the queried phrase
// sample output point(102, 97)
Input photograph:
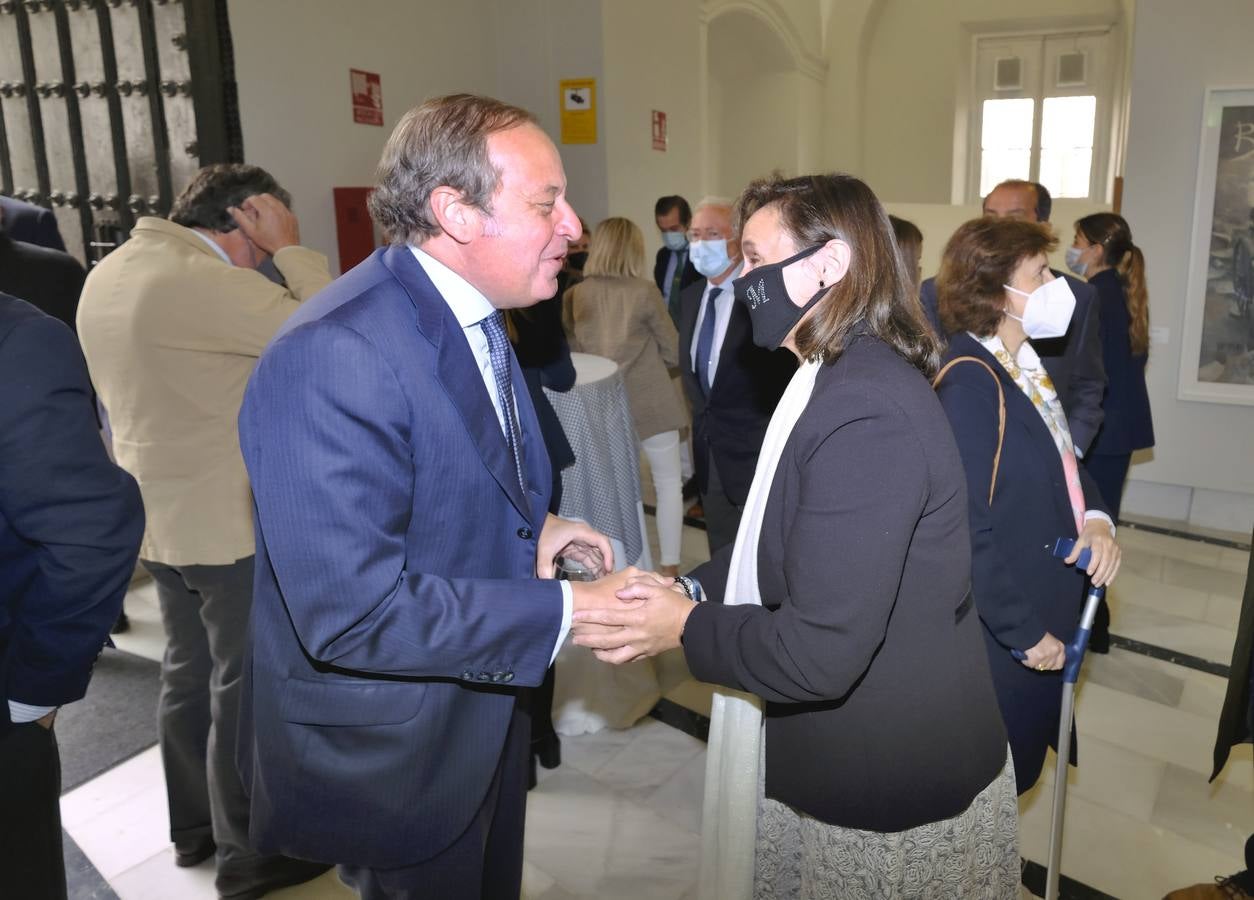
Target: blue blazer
point(1128, 425)
point(30, 223)
point(395, 611)
point(1021, 591)
point(1073, 361)
point(70, 520)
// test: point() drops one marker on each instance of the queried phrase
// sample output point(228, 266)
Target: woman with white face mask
point(1025, 489)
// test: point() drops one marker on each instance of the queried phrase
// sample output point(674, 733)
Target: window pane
point(1067, 172)
point(997, 166)
point(1068, 121)
point(1007, 124)
point(1006, 141)
point(1067, 125)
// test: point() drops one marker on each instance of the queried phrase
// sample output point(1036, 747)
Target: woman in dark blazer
point(990, 283)
point(852, 621)
point(1103, 252)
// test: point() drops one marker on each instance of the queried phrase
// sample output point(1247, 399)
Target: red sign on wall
point(659, 130)
point(367, 97)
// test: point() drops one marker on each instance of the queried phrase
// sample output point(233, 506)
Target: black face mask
point(577, 259)
point(771, 312)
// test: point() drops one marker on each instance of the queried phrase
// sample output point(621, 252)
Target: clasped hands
point(629, 615)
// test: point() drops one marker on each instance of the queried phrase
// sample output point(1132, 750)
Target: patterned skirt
point(973, 856)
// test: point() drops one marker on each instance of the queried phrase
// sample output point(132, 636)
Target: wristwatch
point(690, 587)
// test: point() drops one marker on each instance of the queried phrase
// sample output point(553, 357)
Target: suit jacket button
point(509, 676)
point(525, 533)
point(484, 676)
point(497, 676)
point(468, 675)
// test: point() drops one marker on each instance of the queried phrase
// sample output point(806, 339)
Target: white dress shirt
point(214, 244)
point(722, 315)
point(470, 308)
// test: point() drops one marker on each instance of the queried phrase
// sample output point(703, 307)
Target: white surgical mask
point(674, 240)
point(709, 257)
point(1073, 261)
point(1048, 310)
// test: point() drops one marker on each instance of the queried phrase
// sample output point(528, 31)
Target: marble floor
point(621, 817)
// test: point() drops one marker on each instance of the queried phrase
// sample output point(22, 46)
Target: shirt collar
point(214, 244)
point(468, 305)
point(726, 286)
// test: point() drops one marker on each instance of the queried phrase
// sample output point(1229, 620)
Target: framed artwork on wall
point(1217, 357)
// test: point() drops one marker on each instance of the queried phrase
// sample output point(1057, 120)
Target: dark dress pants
point(205, 613)
point(30, 812)
point(486, 862)
point(722, 517)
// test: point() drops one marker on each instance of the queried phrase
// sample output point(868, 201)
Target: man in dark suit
point(30, 223)
point(70, 526)
point(51, 280)
point(731, 383)
point(401, 492)
point(673, 270)
point(1073, 361)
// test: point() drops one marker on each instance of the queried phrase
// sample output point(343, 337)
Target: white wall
point(1178, 51)
point(291, 63)
point(653, 60)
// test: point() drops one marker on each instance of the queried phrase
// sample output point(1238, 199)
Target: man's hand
point(266, 222)
point(46, 721)
point(1104, 563)
point(651, 625)
point(557, 533)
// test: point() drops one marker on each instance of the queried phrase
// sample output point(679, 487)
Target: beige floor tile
point(1210, 579)
point(1141, 562)
point(1237, 561)
point(695, 695)
point(1129, 587)
point(1220, 816)
point(126, 834)
point(146, 636)
point(1224, 612)
point(158, 878)
point(114, 787)
point(1190, 636)
point(1129, 672)
point(1109, 776)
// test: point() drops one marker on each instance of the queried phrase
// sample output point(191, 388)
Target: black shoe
point(1099, 641)
point(532, 780)
point(123, 624)
point(194, 853)
point(276, 872)
point(548, 750)
point(690, 488)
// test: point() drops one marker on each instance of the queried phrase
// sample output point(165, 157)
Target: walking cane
point(1070, 674)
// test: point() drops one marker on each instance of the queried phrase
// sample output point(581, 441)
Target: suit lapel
point(456, 370)
point(739, 330)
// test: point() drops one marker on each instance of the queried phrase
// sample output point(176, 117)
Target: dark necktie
point(498, 349)
point(676, 286)
point(705, 342)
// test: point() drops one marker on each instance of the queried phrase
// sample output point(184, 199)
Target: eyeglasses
point(705, 234)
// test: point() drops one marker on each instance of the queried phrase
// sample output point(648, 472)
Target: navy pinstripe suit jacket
point(396, 610)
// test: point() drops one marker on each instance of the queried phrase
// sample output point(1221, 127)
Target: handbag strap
point(1001, 411)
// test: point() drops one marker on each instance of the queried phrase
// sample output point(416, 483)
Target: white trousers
point(662, 452)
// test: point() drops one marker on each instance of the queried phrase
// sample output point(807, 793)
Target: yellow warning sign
point(579, 110)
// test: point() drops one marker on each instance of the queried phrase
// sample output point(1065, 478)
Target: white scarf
point(729, 822)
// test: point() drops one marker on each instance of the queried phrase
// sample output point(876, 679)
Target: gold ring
point(1041, 667)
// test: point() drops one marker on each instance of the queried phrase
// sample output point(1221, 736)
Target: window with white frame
point(1042, 112)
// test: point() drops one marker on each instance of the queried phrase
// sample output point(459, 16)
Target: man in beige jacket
point(172, 324)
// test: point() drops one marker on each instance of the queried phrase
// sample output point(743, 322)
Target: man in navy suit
point(401, 491)
point(70, 526)
point(1073, 361)
point(30, 224)
point(672, 269)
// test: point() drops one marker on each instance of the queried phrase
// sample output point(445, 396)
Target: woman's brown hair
point(616, 249)
point(979, 261)
point(1118, 251)
point(876, 290)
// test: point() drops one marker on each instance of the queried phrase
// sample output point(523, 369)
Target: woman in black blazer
point(885, 758)
point(1104, 253)
point(991, 286)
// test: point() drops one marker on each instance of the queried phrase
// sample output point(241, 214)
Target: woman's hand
point(1049, 654)
point(652, 625)
point(1106, 553)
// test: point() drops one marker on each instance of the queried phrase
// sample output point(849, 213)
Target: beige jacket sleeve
point(662, 327)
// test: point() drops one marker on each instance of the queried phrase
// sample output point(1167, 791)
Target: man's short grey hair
point(442, 143)
point(717, 202)
point(206, 202)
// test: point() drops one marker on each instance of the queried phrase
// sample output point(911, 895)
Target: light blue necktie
point(498, 349)
point(705, 342)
